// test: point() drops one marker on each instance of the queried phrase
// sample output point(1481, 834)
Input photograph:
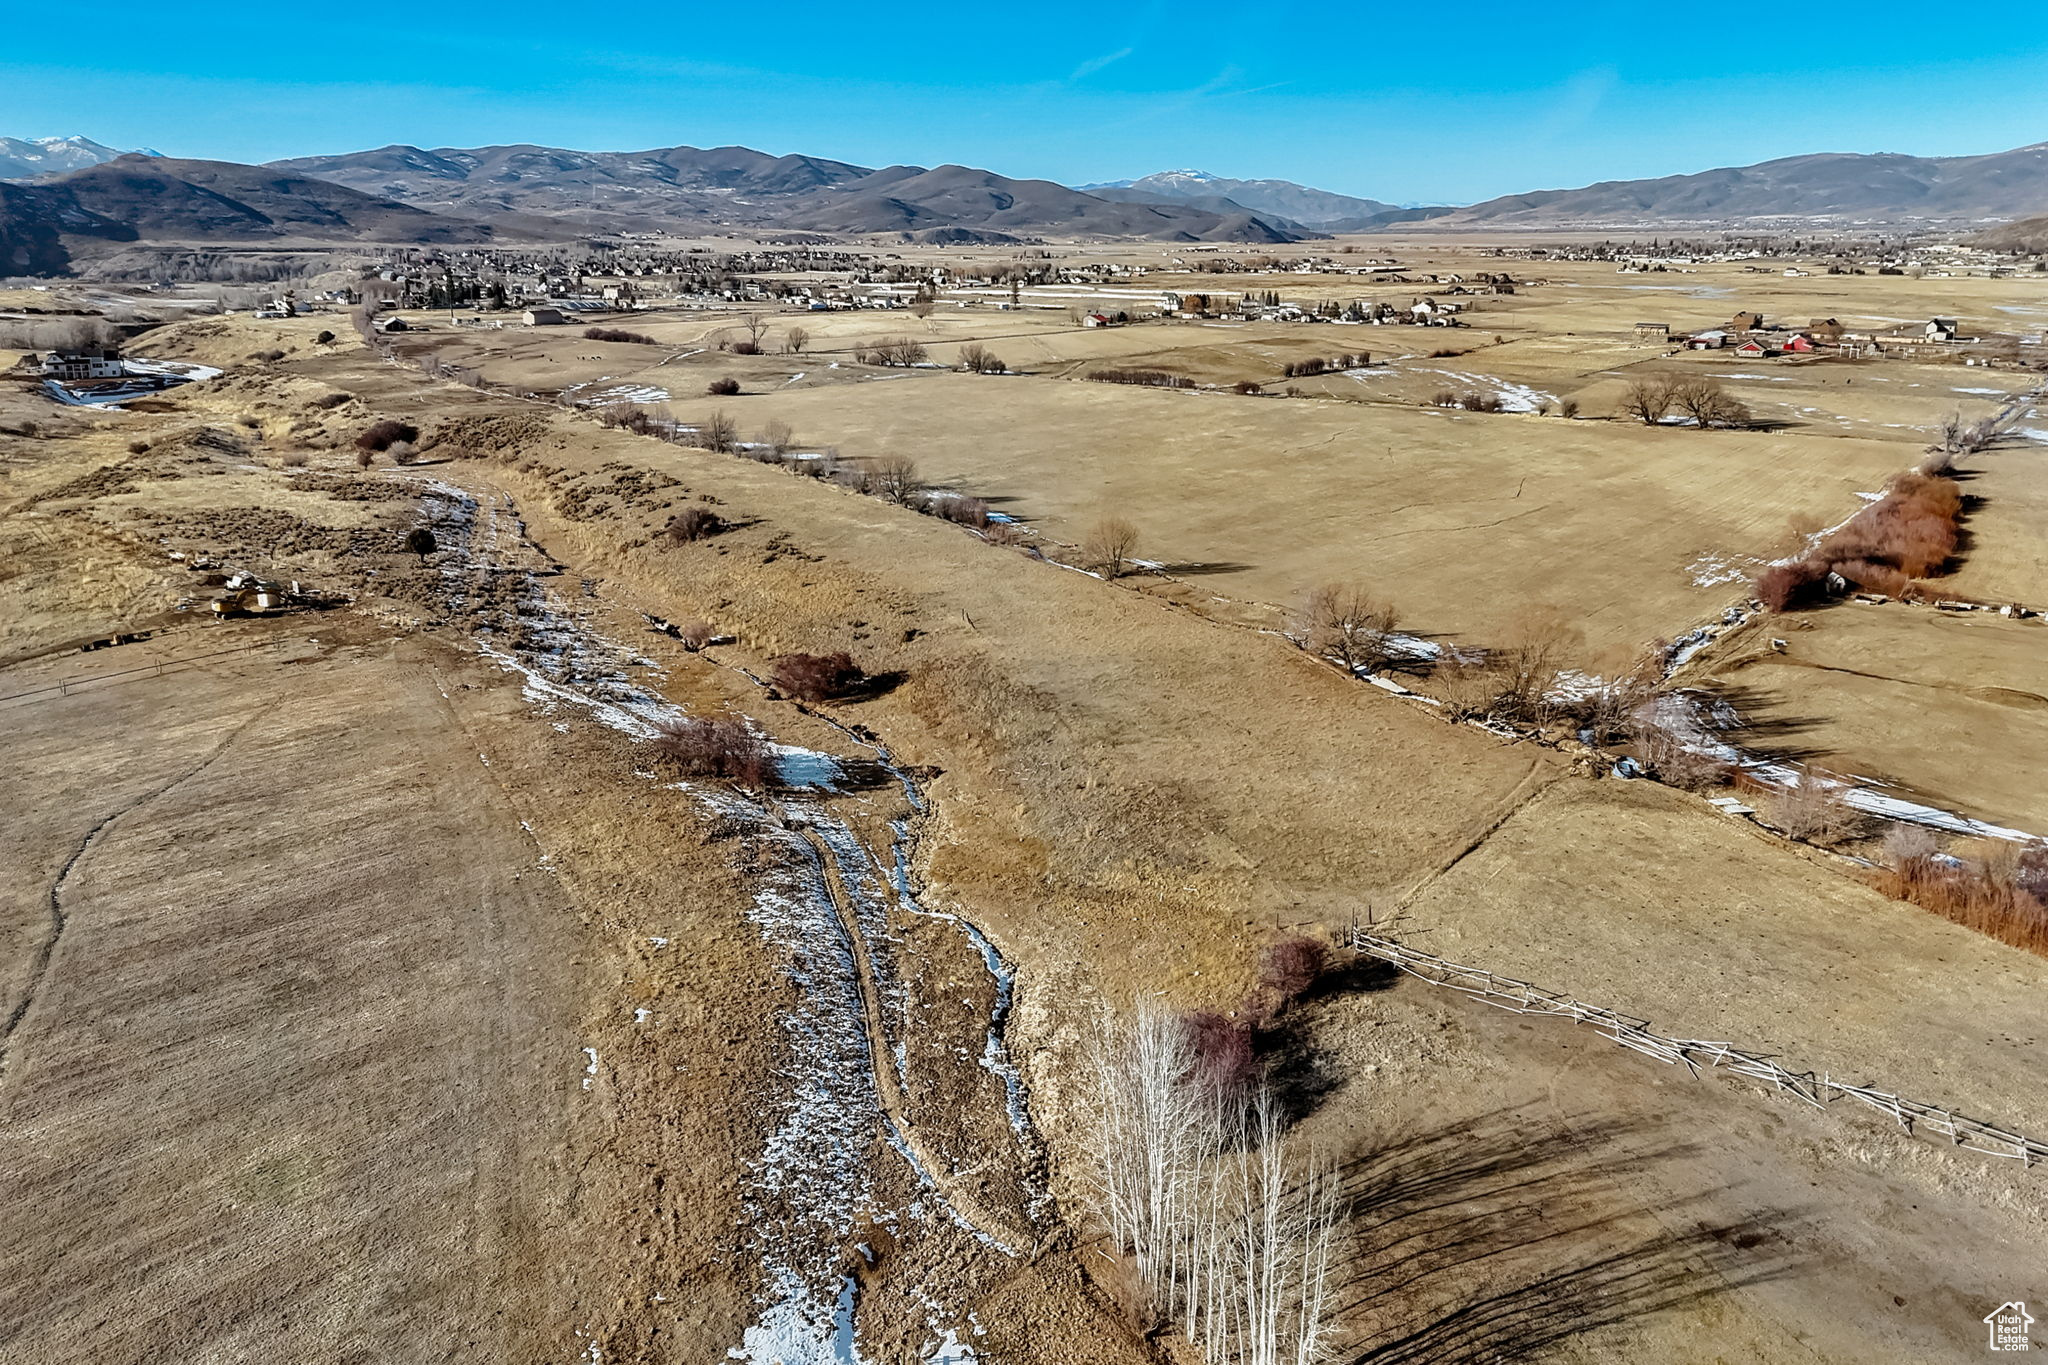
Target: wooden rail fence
point(1519, 997)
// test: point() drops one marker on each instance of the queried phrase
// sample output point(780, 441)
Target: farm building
point(543, 317)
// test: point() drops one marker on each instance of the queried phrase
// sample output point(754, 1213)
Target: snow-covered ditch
point(814, 1175)
point(1513, 397)
point(1700, 721)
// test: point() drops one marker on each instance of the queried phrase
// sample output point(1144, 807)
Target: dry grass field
point(276, 983)
point(387, 941)
point(1914, 697)
point(1468, 521)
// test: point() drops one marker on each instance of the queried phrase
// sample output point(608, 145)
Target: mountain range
point(27, 158)
point(82, 198)
point(690, 187)
point(1300, 205)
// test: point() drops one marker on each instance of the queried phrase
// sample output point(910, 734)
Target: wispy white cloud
point(1095, 64)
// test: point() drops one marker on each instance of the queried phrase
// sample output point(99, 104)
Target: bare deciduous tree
point(720, 432)
point(1648, 400)
point(1347, 625)
point(1707, 401)
point(1516, 683)
point(979, 359)
point(1232, 1238)
point(1109, 546)
point(1607, 707)
point(896, 478)
point(777, 436)
point(897, 351)
point(1815, 809)
point(795, 339)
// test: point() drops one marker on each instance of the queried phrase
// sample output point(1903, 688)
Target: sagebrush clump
point(817, 677)
point(712, 748)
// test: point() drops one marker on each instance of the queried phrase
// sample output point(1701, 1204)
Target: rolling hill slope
point(160, 199)
point(1882, 186)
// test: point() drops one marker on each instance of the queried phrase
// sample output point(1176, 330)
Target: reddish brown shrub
point(1226, 1058)
point(712, 748)
point(693, 523)
point(956, 507)
point(1785, 586)
point(1871, 576)
point(1292, 965)
point(1913, 529)
point(386, 434)
point(2003, 895)
point(724, 388)
point(816, 677)
point(614, 334)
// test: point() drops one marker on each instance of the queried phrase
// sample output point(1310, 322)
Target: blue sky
point(1448, 103)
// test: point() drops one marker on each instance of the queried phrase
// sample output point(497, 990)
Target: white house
point(104, 363)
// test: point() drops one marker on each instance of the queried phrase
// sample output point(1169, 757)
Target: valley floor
point(372, 996)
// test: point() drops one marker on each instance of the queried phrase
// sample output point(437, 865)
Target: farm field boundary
point(1519, 997)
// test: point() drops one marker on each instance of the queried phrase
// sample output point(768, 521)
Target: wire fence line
point(156, 668)
point(1519, 997)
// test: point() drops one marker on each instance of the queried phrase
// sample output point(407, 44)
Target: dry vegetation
point(1133, 789)
point(1908, 534)
point(1997, 888)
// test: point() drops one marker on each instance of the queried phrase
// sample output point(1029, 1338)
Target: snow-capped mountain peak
point(25, 158)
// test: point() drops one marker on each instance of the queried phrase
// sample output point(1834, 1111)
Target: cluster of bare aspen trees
point(1230, 1233)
